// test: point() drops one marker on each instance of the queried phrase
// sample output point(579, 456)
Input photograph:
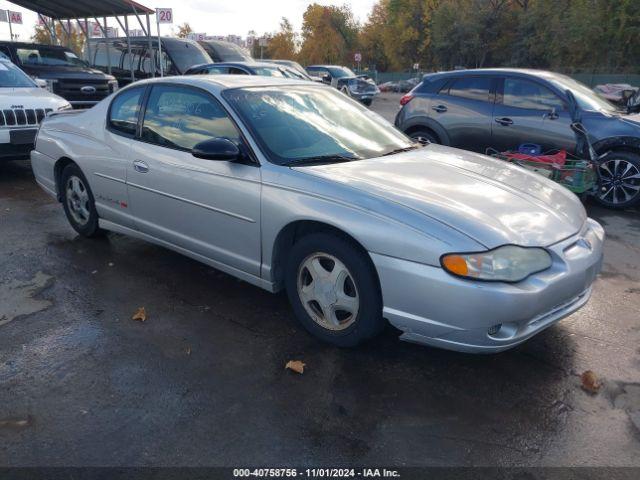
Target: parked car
point(221, 51)
point(504, 108)
point(178, 55)
point(292, 185)
point(345, 80)
point(238, 68)
point(23, 105)
point(65, 74)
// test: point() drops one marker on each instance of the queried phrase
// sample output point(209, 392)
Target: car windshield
point(12, 77)
point(587, 99)
point(47, 56)
point(269, 71)
point(339, 72)
point(299, 124)
point(186, 54)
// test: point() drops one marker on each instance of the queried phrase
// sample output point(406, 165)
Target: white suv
point(23, 105)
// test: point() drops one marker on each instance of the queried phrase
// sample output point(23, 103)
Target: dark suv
point(178, 55)
point(504, 108)
point(66, 74)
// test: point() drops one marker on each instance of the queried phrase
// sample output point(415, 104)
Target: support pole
point(52, 34)
point(85, 32)
point(126, 29)
point(152, 57)
point(104, 32)
point(159, 45)
point(10, 29)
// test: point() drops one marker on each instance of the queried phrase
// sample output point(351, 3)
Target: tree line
point(564, 35)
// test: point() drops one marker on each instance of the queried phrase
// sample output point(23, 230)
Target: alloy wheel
point(620, 181)
point(327, 291)
point(77, 198)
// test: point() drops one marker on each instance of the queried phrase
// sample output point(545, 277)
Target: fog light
point(494, 329)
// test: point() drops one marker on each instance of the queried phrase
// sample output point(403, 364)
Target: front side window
point(269, 72)
point(180, 118)
point(123, 114)
point(294, 124)
point(473, 88)
point(522, 93)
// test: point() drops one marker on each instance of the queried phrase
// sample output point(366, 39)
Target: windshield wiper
point(320, 160)
point(400, 150)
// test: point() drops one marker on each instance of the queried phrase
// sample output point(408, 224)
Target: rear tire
point(78, 202)
point(333, 289)
point(620, 185)
point(367, 102)
point(424, 137)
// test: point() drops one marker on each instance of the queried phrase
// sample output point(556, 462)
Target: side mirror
point(627, 95)
point(220, 148)
point(326, 79)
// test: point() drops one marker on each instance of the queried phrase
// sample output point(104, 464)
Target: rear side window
point(473, 88)
point(530, 95)
point(123, 114)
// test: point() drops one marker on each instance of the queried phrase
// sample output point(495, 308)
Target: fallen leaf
point(140, 315)
point(110, 264)
point(296, 366)
point(16, 422)
point(590, 382)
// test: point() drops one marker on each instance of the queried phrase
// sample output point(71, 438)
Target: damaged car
point(291, 185)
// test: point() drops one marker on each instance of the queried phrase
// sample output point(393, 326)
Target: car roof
point(225, 82)
point(31, 44)
point(240, 64)
point(325, 66)
point(495, 71)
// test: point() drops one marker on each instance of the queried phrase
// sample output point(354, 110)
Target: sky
point(214, 17)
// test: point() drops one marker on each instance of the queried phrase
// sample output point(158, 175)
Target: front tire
point(78, 202)
point(333, 289)
point(620, 180)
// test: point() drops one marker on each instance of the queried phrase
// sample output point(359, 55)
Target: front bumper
point(16, 147)
point(434, 308)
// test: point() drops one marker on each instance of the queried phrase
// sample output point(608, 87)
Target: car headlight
point(509, 263)
point(113, 86)
point(66, 106)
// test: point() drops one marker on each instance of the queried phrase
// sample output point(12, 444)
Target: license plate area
point(22, 137)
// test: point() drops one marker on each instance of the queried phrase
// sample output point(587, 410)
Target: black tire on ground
point(88, 225)
point(620, 186)
point(367, 102)
point(424, 136)
point(368, 322)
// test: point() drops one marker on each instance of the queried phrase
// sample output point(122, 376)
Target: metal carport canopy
point(71, 9)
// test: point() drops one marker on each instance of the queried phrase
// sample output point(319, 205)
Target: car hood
point(66, 73)
point(31, 97)
point(493, 202)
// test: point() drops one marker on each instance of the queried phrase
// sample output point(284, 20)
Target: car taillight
point(406, 99)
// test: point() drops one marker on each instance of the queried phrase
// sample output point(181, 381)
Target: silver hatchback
point(287, 184)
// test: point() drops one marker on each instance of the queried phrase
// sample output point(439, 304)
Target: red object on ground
point(557, 159)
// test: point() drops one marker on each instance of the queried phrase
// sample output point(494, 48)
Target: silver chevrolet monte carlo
point(287, 184)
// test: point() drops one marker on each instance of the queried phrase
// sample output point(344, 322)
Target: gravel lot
point(202, 380)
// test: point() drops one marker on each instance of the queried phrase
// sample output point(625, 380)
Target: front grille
point(21, 116)
point(72, 89)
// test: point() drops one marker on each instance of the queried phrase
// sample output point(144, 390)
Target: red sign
point(15, 17)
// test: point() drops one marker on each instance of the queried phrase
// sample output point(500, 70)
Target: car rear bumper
point(434, 308)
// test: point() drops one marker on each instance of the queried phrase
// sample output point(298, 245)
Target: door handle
point(551, 116)
point(140, 166)
point(439, 108)
point(504, 121)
